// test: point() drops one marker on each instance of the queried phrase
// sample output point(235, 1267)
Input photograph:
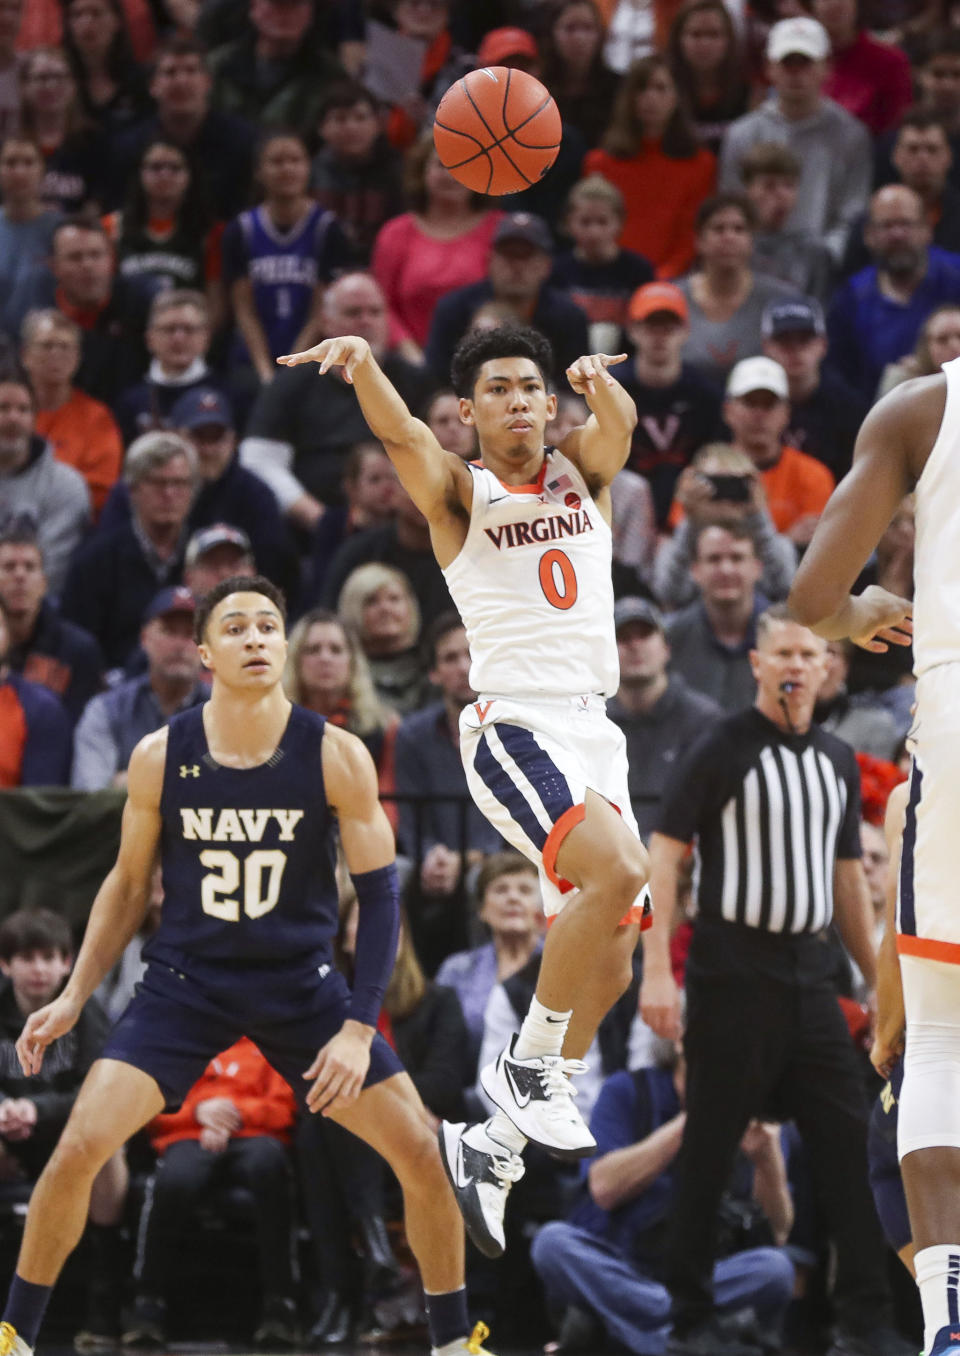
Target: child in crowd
point(36, 955)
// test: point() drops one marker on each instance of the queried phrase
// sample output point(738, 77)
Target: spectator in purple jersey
point(278, 256)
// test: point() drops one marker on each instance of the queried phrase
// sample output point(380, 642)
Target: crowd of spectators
point(758, 203)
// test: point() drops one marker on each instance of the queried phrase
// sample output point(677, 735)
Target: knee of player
point(417, 1158)
point(80, 1153)
point(624, 874)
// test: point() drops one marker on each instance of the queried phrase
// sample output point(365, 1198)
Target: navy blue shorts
point(886, 1182)
point(177, 1022)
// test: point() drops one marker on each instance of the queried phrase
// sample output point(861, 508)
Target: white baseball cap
point(800, 36)
point(757, 374)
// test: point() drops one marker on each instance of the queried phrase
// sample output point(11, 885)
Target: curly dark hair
point(505, 341)
point(257, 583)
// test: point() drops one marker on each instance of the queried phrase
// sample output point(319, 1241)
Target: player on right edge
point(910, 441)
point(523, 539)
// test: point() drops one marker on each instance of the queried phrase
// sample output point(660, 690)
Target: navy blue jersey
point(248, 855)
point(284, 266)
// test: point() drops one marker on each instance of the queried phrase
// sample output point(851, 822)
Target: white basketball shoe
point(537, 1095)
point(481, 1172)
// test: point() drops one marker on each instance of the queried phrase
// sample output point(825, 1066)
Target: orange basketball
point(497, 130)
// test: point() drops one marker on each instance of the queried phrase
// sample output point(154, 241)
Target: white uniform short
point(529, 765)
point(928, 921)
point(928, 908)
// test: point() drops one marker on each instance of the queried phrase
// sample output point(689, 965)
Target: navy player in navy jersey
point(243, 798)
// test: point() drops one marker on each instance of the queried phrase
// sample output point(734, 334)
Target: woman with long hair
point(111, 85)
point(327, 672)
point(443, 242)
point(708, 66)
point(52, 115)
point(165, 236)
point(650, 153)
point(573, 68)
point(279, 256)
point(378, 605)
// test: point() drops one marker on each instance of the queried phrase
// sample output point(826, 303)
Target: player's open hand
point(587, 372)
point(881, 619)
point(348, 351)
point(42, 1028)
point(340, 1068)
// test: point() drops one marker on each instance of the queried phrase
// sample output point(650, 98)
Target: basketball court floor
point(226, 1349)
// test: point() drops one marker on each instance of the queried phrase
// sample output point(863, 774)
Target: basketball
point(497, 130)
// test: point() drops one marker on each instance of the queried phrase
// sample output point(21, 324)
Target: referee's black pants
point(765, 1037)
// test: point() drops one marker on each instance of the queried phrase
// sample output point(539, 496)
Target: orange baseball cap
point(657, 296)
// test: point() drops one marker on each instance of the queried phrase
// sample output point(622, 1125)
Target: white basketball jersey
point(532, 583)
point(936, 568)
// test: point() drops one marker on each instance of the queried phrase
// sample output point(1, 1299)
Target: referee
point(772, 804)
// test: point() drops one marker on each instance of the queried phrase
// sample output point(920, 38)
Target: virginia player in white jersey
point(523, 538)
point(910, 441)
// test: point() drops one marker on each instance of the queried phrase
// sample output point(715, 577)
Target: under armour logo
point(192, 771)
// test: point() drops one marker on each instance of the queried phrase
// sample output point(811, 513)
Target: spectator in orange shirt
point(757, 411)
point(233, 1126)
point(650, 153)
point(81, 430)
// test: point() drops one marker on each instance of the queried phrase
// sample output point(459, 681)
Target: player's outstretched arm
point(431, 476)
point(891, 1015)
point(350, 783)
point(600, 447)
point(118, 909)
point(855, 518)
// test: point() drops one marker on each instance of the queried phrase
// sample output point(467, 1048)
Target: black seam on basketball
point(530, 116)
point(497, 141)
point(482, 150)
point(457, 131)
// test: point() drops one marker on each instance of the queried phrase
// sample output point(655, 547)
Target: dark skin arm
point(890, 454)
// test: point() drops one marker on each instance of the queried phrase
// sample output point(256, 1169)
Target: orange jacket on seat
point(241, 1074)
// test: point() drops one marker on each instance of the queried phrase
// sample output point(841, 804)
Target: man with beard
point(35, 486)
point(876, 316)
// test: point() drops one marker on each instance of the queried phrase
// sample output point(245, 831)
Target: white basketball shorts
point(529, 765)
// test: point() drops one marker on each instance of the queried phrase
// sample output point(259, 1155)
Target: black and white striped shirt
point(770, 814)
